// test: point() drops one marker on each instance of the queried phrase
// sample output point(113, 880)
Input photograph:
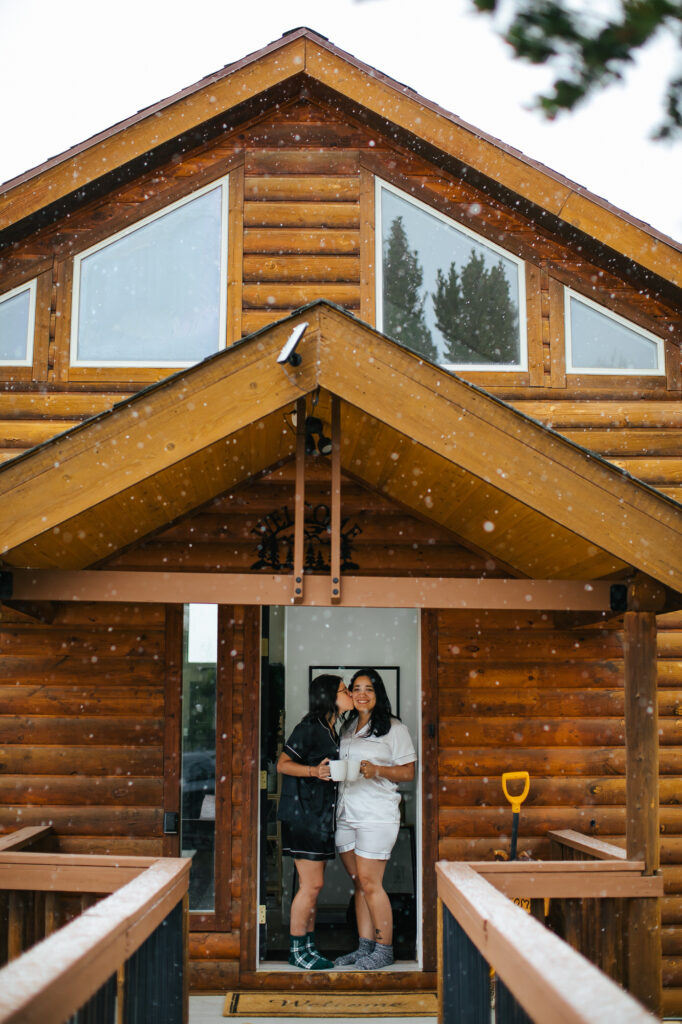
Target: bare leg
point(371, 875)
point(304, 903)
point(362, 914)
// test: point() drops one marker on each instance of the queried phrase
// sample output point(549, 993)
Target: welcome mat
point(331, 1004)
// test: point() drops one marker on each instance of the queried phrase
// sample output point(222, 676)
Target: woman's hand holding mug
point(321, 770)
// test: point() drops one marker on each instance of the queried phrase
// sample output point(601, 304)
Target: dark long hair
point(381, 717)
point(322, 695)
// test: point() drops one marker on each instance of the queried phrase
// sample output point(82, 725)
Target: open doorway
point(300, 642)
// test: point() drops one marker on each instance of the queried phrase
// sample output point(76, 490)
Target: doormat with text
point(331, 1004)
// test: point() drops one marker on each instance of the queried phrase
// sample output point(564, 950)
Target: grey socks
point(382, 956)
point(365, 947)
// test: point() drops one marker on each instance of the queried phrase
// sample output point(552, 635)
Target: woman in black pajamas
point(307, 810)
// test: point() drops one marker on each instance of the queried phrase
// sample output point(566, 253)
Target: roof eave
point(305, 51)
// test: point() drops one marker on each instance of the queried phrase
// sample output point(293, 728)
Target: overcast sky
point(70, 68)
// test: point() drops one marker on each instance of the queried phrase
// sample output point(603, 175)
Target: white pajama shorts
point(373, 840)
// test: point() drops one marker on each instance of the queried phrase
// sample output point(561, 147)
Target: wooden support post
point(51, 923)
point(120, 994)
point(336, 503)
point(299, 502)
point(15, 930)
point(641, 741)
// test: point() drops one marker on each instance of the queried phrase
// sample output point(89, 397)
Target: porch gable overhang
point(176, 445)
point(305, 57)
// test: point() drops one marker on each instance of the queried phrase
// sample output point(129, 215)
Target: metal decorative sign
point(276, 540)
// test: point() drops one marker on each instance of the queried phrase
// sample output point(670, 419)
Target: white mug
point(352, 770)
point(338, 770)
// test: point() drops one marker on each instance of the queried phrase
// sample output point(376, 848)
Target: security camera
point(289, 353)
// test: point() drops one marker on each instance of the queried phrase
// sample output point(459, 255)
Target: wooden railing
point(571, 845)
point(605, 927)
point(538, 977)
point(122, 960)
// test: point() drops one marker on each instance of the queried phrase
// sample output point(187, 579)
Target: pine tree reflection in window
point(446, 295)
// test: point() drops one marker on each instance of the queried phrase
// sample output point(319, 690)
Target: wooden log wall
point(81, 721)
point(302, 228)
point(516, 692)
point(226, 534)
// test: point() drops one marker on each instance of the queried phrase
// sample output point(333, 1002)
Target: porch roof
point(454, 454)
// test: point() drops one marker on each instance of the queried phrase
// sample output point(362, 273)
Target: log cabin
point(313, 444)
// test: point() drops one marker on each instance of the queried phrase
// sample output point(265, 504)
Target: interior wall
point(351, 637)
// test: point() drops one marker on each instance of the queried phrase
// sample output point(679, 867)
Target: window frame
point(31, 287)
point(658, 371)
point(523, 365)
point(75, 363)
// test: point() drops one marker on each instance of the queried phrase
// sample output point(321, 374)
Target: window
point(155, 294)
point(443, 291)
point(599, 341)
point(17, 317)
point(197, 818)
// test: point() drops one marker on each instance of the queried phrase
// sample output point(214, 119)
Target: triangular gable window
point(599, 341)
point(17, 317)
point(155, 293)
point(445, 292)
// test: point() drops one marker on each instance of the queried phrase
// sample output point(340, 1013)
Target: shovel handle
point(516, 800)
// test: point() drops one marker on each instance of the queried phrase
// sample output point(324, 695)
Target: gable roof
point(303, 54)
point(419, 434)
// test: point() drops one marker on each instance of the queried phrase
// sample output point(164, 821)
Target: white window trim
point(522, 365)
point(221, 183)
point(30, 331)
point(658, 371)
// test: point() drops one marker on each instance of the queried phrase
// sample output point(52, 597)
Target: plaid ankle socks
point(365, 947)
point(307, 959)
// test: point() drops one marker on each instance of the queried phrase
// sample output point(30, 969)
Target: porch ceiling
point(452, 453)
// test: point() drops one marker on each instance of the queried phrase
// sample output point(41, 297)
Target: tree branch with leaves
point(597, 51)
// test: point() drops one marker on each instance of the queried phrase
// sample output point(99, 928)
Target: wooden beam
point(570, 879)
point(37, 612)
point(58, 877)
point(24, 837)
point(489, 439)
point(596, 848)
point(154, 430)
point(358, 591)
point(146, 131)
point(642, 819)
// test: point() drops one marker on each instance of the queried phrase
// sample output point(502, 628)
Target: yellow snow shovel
point(515, 801)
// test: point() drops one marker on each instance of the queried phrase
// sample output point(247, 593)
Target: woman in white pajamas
point(368, 813)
